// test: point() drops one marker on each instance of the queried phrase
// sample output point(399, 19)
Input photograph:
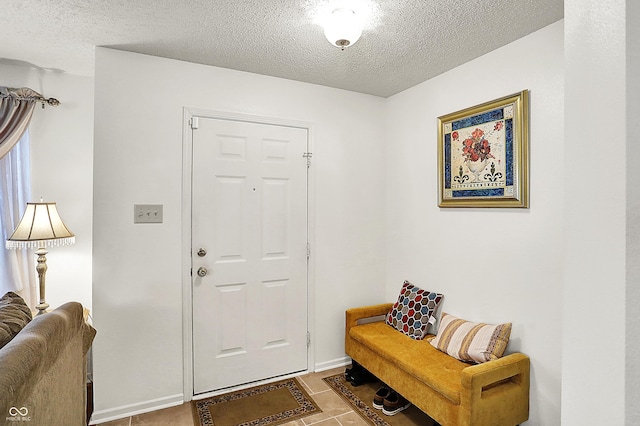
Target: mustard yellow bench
point(451, 392)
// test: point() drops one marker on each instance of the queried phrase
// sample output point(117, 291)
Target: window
point(16, 266)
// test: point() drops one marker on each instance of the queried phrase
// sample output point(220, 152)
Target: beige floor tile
point(333, 371)
point(298, 422)
point(331, 405)
point(174, 416)
point(351, 419)
point(119, 422)
point(313, 381)
point(327, 422)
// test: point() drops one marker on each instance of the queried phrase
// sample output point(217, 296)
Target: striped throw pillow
point(469, 341)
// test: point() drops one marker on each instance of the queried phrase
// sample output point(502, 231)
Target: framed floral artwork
point(483, 154)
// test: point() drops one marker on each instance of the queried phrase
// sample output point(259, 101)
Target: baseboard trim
point(103, 416)
point(334, 363)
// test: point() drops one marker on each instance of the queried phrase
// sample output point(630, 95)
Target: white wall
point(137, 159)
point(138, 312)
point(594, 349)
point(62, 170)
point(632, 401)
point(492, 265)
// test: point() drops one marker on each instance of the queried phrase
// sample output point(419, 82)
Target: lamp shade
point(40, 226)
point(343, 28)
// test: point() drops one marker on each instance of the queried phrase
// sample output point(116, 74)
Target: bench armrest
point(513, 367)
point(354, 314)
point(499, 386)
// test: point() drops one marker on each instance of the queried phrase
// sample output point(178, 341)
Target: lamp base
point(42, 308)
point(41, 268)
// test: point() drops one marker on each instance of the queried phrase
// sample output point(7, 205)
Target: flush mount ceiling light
point(343, 28)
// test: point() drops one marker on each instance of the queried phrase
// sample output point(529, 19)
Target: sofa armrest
point(355, 314)
point(43, 367)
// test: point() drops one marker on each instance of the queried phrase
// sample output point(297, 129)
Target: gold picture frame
point(483, 154)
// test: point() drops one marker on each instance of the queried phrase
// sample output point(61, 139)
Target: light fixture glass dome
point(343, 28)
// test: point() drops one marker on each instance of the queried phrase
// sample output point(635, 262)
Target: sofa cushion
point(14, 315)
point(469, 341)
point(413, 311)
point(417, 357)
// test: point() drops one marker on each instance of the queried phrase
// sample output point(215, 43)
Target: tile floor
point(335, 412)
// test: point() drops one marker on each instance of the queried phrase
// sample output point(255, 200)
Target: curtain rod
point(27, 94)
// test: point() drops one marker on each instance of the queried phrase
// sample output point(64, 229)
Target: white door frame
point(187, 166)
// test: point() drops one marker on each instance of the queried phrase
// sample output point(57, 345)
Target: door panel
point(229, 226)
point(249, 195)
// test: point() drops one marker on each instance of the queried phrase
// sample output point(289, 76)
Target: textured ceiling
point(404, 42)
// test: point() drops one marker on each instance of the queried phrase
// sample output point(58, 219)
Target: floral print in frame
point(483, 155)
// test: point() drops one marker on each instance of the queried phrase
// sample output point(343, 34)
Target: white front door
point(249, 252)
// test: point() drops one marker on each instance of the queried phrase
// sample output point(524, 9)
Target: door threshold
point(248, 385)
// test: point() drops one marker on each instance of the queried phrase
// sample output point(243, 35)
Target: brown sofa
point(43, 370)
point(451, 392)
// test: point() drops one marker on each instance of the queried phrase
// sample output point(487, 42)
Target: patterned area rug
point(266, 405)
point(361, 398)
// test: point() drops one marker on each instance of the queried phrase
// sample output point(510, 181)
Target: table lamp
point(39, 228)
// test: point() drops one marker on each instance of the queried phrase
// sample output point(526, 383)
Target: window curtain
point(17, 267)
point(16, 108)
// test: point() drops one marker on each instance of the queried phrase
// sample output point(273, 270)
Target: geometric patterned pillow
point(469, 341)
point(413, 312)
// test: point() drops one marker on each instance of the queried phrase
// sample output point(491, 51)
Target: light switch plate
point(147, 213)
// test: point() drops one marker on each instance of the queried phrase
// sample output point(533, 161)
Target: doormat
point(266, 405)
point(361, 399)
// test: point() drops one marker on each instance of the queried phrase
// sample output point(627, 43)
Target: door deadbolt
point(202, 252)
point(202, 271)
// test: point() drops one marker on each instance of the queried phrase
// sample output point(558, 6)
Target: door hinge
point(308, 339)
point(194, 123)
point(308, 251)
point(308, 156)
